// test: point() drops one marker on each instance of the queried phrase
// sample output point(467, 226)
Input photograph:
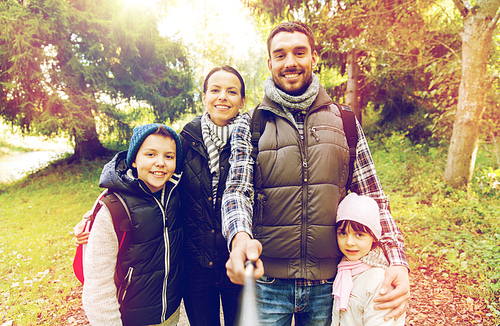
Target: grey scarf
point(292, 103)
point(375, 258)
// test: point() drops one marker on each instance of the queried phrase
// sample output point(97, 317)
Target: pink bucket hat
point(361, 209)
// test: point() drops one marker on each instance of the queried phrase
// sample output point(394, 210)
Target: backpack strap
point(351, 133)
point(123, 226)
point(257, 126)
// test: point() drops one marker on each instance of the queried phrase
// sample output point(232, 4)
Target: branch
point(449, 48)
point(449, 17)
point(495, 143)
point(461, 7)
point(495, 19)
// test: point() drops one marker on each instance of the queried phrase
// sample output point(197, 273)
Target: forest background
point(422, 76)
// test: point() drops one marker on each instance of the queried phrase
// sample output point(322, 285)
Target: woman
point(206, 151)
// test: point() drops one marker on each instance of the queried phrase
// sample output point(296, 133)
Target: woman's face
point(223, 97)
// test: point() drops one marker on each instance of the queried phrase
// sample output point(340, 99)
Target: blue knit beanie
point(142, 132)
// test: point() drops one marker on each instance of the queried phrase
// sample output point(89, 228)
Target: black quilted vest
point(204, 244)
point(152, 295)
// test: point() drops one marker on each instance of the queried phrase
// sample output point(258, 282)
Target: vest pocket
point(317, 131)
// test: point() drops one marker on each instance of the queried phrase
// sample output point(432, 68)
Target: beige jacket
point(360, 311)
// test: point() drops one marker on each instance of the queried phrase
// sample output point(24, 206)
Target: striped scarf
point(215, 138)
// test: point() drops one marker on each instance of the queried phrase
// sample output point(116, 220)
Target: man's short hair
point(290, 27)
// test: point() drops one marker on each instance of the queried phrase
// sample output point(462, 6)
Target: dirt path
point(437, 299)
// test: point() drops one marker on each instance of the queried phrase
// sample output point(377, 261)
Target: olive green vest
point(298, 185)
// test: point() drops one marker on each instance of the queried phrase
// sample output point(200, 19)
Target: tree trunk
point(87, 144)
point(476, 42)
point(352, 94)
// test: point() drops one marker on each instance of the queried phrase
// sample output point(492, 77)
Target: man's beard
point(293, 92)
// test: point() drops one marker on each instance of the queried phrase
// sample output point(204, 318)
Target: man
point(300, 178)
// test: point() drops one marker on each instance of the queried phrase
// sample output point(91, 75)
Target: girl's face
point(155, 161)
point(223, 97)
point(354, 244)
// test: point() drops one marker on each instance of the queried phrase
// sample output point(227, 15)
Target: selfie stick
point(248, 307)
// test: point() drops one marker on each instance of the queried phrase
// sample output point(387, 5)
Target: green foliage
point(449, 229)
point(488, 182)
point(38, 214)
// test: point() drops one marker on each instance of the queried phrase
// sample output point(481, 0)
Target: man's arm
point(366, 182)
point(237, 204)
point(396, 276)
point(237, 201)
point(244, 248)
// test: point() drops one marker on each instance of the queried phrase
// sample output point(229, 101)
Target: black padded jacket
point(153, 259)
point(204, 244)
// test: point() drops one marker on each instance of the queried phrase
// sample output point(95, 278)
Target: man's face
point(291, 62)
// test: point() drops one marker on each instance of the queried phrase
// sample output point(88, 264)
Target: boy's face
point(291, 62)
point(354, 245)
point(155, 161)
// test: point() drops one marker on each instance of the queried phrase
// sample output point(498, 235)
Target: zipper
point(166, 243)
point(313, 131)
point(128, 279)
point(303, 151)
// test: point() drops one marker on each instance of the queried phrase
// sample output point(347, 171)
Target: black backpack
point(259, 119)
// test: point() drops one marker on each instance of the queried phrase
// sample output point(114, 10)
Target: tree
point(479, 23)
point(63, 63)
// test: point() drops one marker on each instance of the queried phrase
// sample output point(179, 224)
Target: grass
point(37, 216)
point(455, 231)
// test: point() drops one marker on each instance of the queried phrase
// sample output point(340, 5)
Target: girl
point(362, 269)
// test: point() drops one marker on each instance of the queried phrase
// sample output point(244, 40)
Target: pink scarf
point(342, 286)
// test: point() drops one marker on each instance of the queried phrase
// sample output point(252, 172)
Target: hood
point(114, 175)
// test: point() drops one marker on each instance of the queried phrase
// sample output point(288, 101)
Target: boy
point(361, 271)
point(145, 177)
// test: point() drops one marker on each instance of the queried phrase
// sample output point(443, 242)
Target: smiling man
point(299, 177)
point(291, 62)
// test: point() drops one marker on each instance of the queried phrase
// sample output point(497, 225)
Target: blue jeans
point(280, 299)
point(204, 289)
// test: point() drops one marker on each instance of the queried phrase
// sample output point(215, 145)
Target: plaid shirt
point(237, 202)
